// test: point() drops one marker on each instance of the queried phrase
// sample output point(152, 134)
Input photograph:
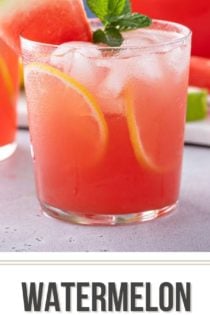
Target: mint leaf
point(104, 8)
point(116, 7)
point(99, 37)
point(129, 21)
point(116, 16)
point(127, 8)
point(99, 8)
point(110, 36)
point(113, 37)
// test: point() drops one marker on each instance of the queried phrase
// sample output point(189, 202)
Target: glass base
point(106, 219)
point(7, 150)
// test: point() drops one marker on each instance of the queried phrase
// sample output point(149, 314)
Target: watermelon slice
point(200, 72)
point(48, 21)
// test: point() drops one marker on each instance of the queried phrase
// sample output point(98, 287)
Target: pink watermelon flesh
point(52, 21)
point(200, 72)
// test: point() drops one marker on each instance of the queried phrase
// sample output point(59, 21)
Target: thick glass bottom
point(7, 150)
point(107, 219)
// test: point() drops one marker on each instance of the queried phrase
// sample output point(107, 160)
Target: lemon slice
point(141, 155)
point(4, 72)
point(21, 74)
point(64, 116)
point(157, 149)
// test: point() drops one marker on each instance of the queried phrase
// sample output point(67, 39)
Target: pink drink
point(108, 148)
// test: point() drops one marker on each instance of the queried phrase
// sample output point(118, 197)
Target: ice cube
point(63, 56)
point(147, 37)
point(116, 78)
point(178, 59)
point(147, 67)
point(124, 67)
point(78, 59)
point(137, 38)
point(154, 53)
point(136, 58)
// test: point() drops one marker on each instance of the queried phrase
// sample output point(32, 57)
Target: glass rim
point(179, 28)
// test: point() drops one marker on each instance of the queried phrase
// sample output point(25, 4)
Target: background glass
point(9, 86)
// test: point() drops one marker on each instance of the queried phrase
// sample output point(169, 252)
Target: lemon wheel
point(158, 153)
point(64, 116)
point(5, 74)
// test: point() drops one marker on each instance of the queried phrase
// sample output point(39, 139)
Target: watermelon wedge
point(48, 21)
point(200, 72)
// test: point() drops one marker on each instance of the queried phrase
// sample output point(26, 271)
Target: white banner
point(99, 284)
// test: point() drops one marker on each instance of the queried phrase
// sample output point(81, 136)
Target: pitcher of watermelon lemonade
point(194, 14)
point(9, 71)
point(107, 124)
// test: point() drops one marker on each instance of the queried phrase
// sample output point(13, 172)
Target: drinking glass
point(9, 86)
point(107, 124)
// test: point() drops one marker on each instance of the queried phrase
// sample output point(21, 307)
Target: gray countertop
point(24, 228)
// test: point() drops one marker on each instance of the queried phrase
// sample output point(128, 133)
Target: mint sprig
point(110, 36)
point(116, 16)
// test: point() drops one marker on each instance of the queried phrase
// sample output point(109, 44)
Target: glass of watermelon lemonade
point(107, 124)
point(9, 85)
